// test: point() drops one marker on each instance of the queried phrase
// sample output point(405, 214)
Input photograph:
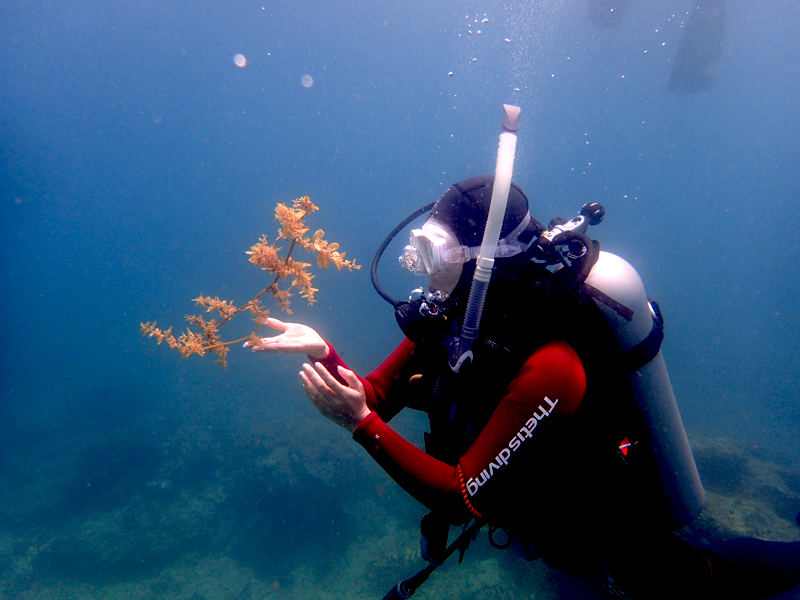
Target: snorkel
point(461, 353)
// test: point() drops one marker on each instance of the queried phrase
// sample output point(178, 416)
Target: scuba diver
point(538, 428)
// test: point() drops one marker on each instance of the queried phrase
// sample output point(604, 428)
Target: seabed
point(206, 515)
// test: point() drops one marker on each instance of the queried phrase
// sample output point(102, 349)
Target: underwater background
point(139, 161)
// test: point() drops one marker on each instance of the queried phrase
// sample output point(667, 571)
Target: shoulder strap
point(622, 310)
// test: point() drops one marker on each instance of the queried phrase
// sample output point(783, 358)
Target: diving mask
point(435, 249)
point(432, 249)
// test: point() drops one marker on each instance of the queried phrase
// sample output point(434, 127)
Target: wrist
point(358, 418)
point(319, 351)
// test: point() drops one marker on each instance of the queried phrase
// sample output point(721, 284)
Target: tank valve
point(594, 213)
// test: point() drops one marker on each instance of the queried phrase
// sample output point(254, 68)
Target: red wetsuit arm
point(549, 386)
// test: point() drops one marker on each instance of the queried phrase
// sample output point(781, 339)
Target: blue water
point(139, 163)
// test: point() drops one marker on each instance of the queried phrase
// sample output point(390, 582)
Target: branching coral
point(203, 336)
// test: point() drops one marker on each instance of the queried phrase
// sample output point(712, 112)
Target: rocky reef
point(212, 513)
point(750, 493)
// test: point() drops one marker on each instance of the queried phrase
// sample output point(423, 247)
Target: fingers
point(345, 406)
point(313, 383)
point(265, 345)
point(311, 375)
point(270, 344)
point(326, 383)
point(276, 324)
point(351, 379)
point(310, 389)
point(328, 379)
point(285, 342)
point(320, 384)
point(318, 391)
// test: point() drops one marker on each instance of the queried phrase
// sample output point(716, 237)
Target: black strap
point(622, 310)
point(646, 350)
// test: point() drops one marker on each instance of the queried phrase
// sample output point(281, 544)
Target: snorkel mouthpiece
point(506, 150)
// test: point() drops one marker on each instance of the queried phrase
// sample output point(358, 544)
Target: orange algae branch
point(203, 335)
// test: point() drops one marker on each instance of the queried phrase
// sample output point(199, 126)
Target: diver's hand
point(294, 338)
point(345, 405)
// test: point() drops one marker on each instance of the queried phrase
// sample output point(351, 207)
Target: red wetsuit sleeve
point(549, 387)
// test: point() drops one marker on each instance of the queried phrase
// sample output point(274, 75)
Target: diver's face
point(445, 279)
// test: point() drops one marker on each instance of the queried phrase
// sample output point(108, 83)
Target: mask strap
point(511, 238)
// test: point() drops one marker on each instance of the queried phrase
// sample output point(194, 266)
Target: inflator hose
point(382, 248)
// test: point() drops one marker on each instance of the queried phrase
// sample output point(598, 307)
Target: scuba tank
point(673, 492)
point(680, 498)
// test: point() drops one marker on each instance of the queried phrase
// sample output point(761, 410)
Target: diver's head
point(451, 236)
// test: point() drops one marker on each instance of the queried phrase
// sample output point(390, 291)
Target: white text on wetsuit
point(525, 432)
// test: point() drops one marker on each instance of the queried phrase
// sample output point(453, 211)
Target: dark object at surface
point(700, 48)
point(606, 12)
